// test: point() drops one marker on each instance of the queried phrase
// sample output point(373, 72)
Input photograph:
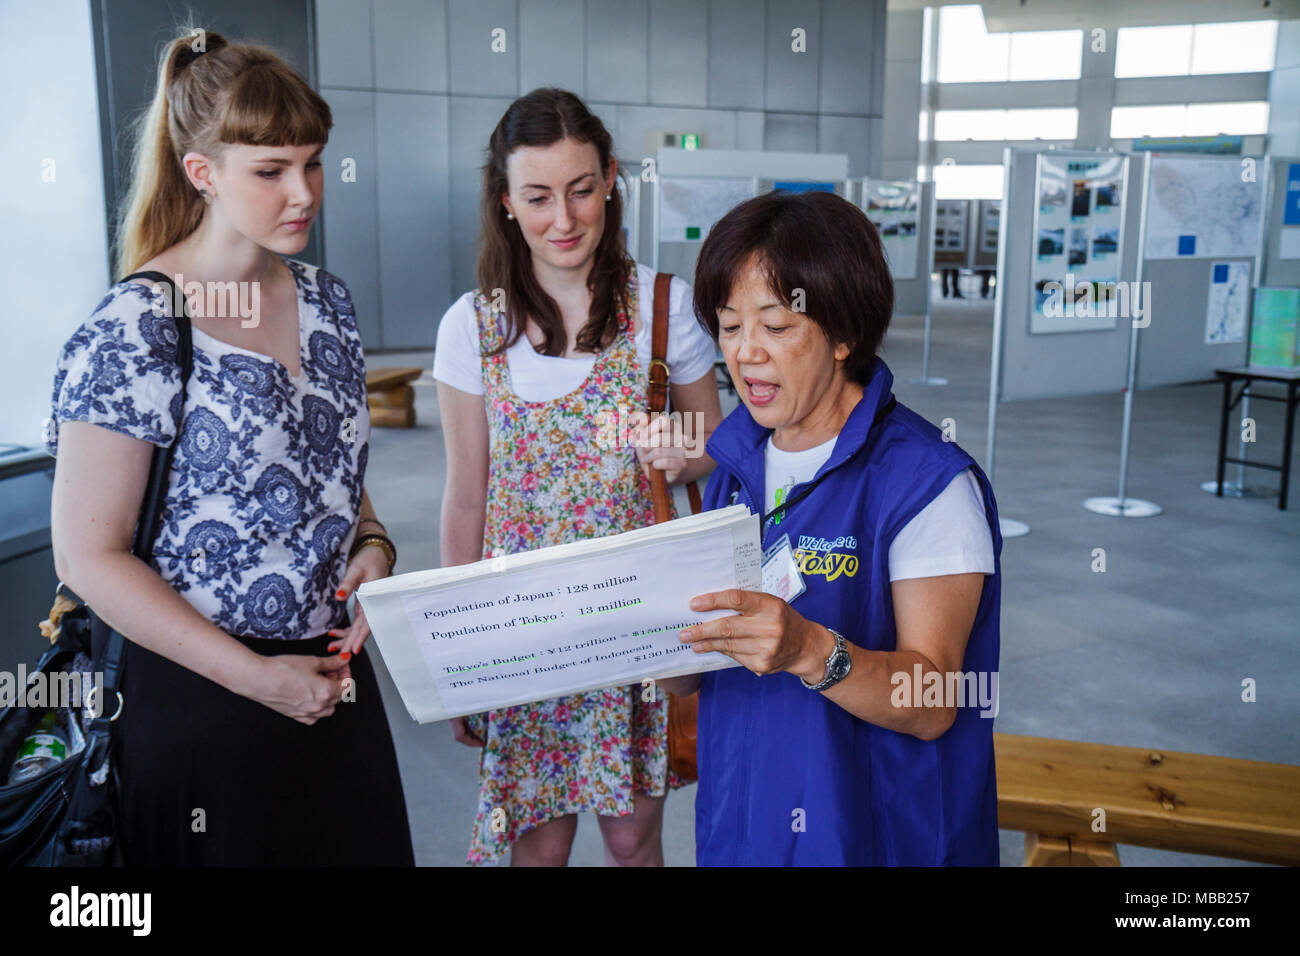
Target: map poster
point(894, 209)
point(1228, 303)
point(690, 205)
point(1078, 224)
point(1200, 207)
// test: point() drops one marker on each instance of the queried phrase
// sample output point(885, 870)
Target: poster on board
point(894, 208)
point(950, 225)
point(690, 205)
point(1201, 208)
point(1228, 303)
point(1078, 228)
point(989, 225)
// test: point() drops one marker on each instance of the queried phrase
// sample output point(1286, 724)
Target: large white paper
point(559, 620)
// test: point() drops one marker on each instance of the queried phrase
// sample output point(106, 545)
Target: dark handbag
point(682, 711)
point(67, 815)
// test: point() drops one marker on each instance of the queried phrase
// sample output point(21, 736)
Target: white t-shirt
point(950, 535)
point(457, 361)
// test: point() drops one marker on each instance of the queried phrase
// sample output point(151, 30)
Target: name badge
point(781, 577)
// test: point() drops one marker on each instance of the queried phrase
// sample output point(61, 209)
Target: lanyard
point(808, 488)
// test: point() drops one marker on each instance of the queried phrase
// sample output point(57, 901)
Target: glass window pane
point(967, 52)
point(1130, 122)
point(968, 182)
point(1153, 51)
point(1042, 124)
point(1234, 47)
point(1234, 119)
point(969, 124)
point(1049, 55)
point(921, 132)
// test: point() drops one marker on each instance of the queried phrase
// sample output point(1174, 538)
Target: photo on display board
point(1081, 205)
point(1107, 196)
point(1105, 242)
point(1051, 242)
point(1078, 247)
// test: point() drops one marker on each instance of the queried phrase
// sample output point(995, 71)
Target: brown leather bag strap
point(657, 399)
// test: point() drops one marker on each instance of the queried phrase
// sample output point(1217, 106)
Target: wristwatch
point(837, 665)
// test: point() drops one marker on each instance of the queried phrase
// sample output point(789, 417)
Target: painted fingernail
point(333, 633)
point(340, 594)
point(345, 656)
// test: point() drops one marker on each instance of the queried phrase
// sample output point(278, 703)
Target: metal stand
point(1122, 506)
point(926, 378)
point(1009, 527)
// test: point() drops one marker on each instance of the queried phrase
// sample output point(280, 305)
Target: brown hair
point(209, 92)
point(815, 242)
point(542, 118)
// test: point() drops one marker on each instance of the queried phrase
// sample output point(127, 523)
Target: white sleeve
point(950, 535)
point(457, 357)
point(690, 349)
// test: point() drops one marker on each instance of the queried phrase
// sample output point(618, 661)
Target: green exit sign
point(690, 141)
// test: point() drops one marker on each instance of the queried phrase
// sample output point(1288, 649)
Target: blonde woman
point(243, 739)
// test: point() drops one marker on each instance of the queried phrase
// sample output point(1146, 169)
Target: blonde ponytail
point(209, 93)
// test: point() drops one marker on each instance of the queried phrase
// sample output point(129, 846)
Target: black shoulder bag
point(67, 814)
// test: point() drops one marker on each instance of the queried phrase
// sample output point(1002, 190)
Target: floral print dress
point(552, 480)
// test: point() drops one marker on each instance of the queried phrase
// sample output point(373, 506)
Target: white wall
point(53, 255)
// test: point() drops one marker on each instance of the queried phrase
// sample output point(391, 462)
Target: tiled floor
point(1149, 653)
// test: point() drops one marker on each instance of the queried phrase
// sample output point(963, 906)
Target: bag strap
point(109, 662)
point(657, 398)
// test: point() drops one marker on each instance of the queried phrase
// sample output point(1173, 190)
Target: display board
point(1071, 362)
point(694, 188)
point(894, 207)
point(1079, 208)
point(1280, 253)
point(990, 224)
point(951, 226)
point(1204, 224)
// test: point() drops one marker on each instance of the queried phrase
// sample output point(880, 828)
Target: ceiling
point(1002, 16)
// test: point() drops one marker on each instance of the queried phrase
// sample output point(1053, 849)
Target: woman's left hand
point(370, 564)
point(766, 635)
point(661, 445)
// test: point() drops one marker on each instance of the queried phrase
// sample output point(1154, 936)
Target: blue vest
point(786, 776)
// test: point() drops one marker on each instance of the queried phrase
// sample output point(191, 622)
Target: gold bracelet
point(379, 541)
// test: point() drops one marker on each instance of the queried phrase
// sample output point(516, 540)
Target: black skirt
point(210, 778)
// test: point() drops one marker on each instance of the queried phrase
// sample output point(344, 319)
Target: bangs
point(271, 106)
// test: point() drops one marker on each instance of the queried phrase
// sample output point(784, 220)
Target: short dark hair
point(813, 241)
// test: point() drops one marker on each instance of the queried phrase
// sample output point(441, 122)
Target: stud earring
point(607, 197)
point(206, 198)
point(510, 215)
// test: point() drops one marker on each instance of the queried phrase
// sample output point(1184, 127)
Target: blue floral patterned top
point(267, 477)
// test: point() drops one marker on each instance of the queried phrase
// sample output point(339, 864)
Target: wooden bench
point(1192, 803)
point(391, 397)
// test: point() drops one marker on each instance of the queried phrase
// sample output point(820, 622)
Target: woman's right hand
point(462, 733)
point(300, 686)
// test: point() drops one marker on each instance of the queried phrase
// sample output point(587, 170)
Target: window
point(1203, 48)
point(1046, 55)
point(968, 182)
point(968, 53)
point(1014, 124)
point(1195, 119)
